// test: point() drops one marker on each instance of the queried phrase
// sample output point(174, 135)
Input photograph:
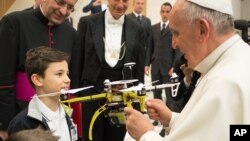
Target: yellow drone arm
point(129, 104)
point(97, 113)
point(85, 98)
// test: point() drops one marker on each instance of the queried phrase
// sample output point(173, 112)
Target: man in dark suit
point(108, 40)
point(160, 53)
point(137, 16)
point(95, 6)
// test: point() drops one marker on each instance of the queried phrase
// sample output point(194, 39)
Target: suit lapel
point(129, 38)
point(143, 21)
point(98, 34)
point(158, 29)
point(166, 31)
point(135, 18)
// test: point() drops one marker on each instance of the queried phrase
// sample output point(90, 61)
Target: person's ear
point(36, 79)
point(205, 29)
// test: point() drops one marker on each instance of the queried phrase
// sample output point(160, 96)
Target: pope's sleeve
point(151, 136)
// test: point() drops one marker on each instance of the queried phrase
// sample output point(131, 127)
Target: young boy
point(47, 71)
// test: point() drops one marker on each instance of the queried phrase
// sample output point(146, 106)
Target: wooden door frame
point(4, 6)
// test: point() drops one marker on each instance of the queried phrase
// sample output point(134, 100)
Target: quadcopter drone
point(123, 94)
point(118, 99)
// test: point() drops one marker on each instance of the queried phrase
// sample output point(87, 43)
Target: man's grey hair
point(222, 22)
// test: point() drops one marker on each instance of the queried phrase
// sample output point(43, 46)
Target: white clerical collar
point(49, 23)
point(110, 19)
point(208, 62)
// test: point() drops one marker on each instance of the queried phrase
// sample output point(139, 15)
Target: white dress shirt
point(113, 38)
point(166, 24)
point(56, 121)
point(136, 15)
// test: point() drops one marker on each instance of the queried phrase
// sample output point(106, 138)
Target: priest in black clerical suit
point(98, 33)
point(19, 32)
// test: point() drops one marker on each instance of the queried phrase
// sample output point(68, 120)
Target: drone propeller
point(161, 86)
point(148, 88)
point(133, 88)
point(107, 82)
point(149, 84)
point(71, 91)
point(138, 87)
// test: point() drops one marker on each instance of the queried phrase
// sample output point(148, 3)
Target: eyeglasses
point(62, 3)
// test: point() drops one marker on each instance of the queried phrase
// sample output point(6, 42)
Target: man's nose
point(64, 10)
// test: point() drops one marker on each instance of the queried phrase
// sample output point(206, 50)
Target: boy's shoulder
point(22, 122)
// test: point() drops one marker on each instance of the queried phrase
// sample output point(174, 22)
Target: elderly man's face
point(57, 11)
point(185, 35)
point(117, 8)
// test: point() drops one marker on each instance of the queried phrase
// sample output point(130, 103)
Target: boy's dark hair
point(38, 59)
point(37, 134)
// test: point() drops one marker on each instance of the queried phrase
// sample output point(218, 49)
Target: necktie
point(163, 28)
point(139, 18)
point(196, 75)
